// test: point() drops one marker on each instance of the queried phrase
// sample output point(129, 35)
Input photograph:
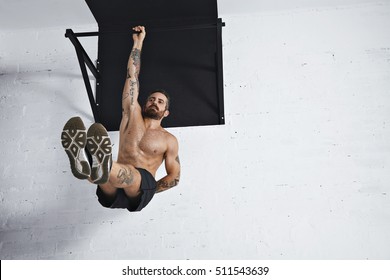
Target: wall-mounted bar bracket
point(84, 59)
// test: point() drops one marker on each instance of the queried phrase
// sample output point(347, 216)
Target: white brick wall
point(300, 170)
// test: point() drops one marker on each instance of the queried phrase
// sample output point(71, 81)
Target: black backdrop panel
point(183, 61)
point(118, 12)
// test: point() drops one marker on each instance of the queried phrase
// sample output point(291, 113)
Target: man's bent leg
point(123, 176)
point(122, 190)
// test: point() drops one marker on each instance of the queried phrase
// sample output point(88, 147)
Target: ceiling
point(26, 14)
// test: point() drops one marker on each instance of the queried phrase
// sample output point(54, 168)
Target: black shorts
point(148, 189)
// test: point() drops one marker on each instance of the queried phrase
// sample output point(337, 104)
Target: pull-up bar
point(150, 30)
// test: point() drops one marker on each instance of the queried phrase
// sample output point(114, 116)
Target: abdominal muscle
point(139, 146)
point(141, 156)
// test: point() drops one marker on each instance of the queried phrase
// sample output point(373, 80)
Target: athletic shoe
point(74, 139)
point(100, 148)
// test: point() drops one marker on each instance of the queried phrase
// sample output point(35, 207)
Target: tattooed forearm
point(133, 69)
point(163, 184)
point(135, 58)
point(171, 180)
point(125, 176)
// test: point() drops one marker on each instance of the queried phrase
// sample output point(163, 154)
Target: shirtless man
point(143, 145)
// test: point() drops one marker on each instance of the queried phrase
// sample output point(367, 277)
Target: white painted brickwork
point(299, 171)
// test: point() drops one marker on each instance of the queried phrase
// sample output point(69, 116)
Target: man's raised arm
point(131, 88)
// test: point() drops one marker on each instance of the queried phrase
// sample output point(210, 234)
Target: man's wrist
point(137, 45)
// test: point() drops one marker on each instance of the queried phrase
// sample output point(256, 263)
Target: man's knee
point(125, 175)
point(108, 190)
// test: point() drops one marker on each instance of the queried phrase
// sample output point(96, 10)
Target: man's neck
point(152, 124)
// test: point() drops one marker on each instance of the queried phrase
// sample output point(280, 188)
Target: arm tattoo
point(133, 72)
point(128, 73)
point(163, 185)
point(132, 91)
point(136, 57)
point(125, 176)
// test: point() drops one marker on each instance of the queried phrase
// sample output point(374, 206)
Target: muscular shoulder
point(170, 139)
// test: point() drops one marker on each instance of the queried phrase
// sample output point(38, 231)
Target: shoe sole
point(100, 148)
point(74, 139)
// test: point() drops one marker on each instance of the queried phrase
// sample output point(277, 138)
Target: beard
point(151, 113)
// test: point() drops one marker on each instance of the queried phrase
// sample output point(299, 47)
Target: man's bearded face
point(153, 112)
point(155, 106)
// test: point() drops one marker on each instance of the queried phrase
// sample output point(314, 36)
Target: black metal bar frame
point(84, 60)
point(73, 38)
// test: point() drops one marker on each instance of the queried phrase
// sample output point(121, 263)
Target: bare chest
point(153, 143)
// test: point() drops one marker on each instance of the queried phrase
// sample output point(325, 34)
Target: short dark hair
point(163, 91)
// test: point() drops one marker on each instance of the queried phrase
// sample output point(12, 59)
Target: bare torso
point(142, 146)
